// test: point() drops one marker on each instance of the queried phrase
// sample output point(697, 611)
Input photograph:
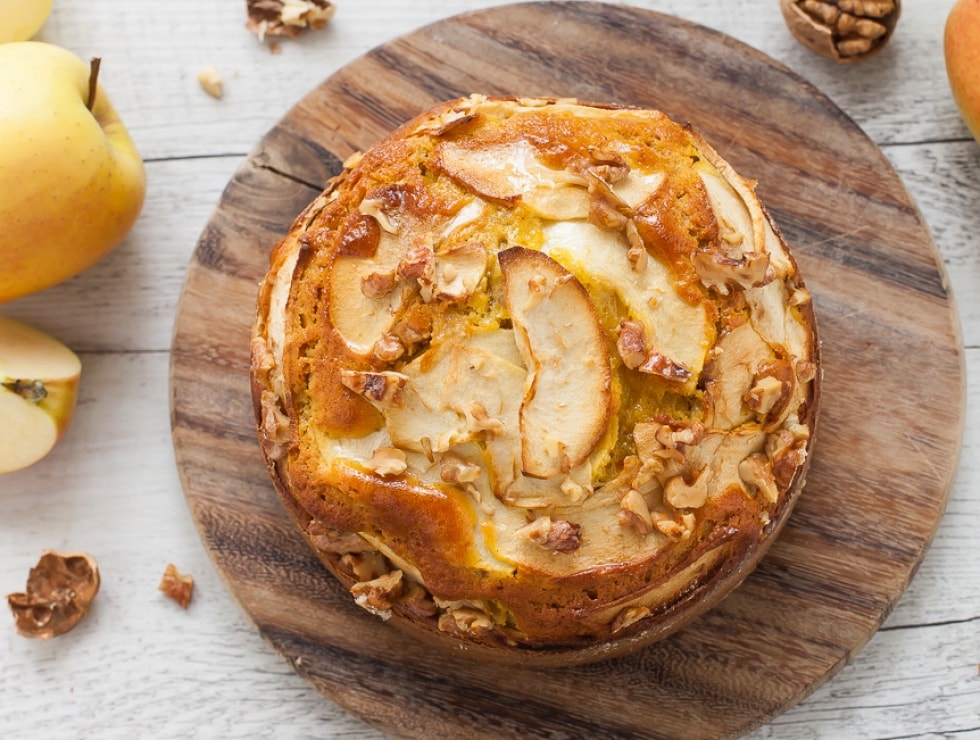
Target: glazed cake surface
point(536, 377)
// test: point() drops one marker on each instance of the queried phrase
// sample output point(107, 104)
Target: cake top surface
point(543, 357)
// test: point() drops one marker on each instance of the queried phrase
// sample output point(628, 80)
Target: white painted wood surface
point(140, 666)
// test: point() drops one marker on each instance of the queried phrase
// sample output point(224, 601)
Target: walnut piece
point(378, 594)
point(558, 535)
point(178, 586)
point(465, 620)
point(211, 82)
point(327, 539)
point(60, 590)
point(842, 30)
point(287, 17)
point(631, 343)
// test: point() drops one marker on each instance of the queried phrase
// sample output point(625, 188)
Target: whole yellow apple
point(21, 19)
point(38, 390)
point(72, 181)
point(961, 44)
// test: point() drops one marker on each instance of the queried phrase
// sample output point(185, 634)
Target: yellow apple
point(38, 389)
point(961, 43)
point(21, 19)
point(72, 181)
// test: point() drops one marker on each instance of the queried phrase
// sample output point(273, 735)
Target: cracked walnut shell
point(536, 378)
point(60, 590)
point(842, 30)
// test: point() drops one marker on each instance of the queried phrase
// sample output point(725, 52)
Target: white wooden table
point(139, 666)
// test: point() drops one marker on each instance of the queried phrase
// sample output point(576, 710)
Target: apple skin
point(38, 391)
point(21, 19)
point(72, 180)
point(961, 45)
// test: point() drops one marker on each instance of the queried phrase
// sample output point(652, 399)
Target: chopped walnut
point(178, 586)
point(210, 81)
point(274, 426)
point(456, 470)
point(637, 253)
point(558, 535)
point(605, 165)
point(632, 343)
point(681, 494)
point(787, 450)
point(325, 539)
point(382, 388)
point(416, 601)
point(448, 121)
point(388, 349)
point(378, 284)
point(672, 528)
point(418, 263)
point(720, 272)
point(364, 566)
point(60, 590)
point(287, 17)
point(635, 512)
point(606, 209)
point(378, 594)
point(632, 346)
point(765, 394)
point(465, 620)
point(609, 165)
point(756, 473)
point(658, 364)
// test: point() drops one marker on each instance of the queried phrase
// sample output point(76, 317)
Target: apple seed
point(30, 390)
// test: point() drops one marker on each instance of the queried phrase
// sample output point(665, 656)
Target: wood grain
point(888, 439)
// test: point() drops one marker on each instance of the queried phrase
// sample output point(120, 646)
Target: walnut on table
point(60, 590)
point(287, 18)
point(178, 586)
point(842, 30)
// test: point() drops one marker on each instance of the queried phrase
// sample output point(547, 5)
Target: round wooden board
point(889, 435)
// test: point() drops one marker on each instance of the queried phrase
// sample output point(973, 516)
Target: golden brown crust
point(536, 377)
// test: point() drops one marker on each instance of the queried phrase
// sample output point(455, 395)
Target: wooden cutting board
point(888, 440)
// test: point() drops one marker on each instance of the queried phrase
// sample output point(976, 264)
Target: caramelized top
point(544, 358)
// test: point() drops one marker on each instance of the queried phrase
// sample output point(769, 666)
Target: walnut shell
point(842, 30)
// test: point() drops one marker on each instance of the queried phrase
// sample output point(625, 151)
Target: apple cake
point(536, 378)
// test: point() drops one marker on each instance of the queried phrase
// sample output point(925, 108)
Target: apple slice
point(567, 401)
point(38, 389)
point(673, 328)
point(510, 172)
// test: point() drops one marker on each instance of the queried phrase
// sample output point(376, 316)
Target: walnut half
point(843, 30)
point(60, 590)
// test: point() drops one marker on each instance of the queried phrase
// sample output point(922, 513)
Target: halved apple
point(568, 400)
point(38, 389)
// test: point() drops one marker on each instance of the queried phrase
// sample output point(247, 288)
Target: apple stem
point(93, 81)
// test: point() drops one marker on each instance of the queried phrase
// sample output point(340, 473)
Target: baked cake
point(536, 378)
